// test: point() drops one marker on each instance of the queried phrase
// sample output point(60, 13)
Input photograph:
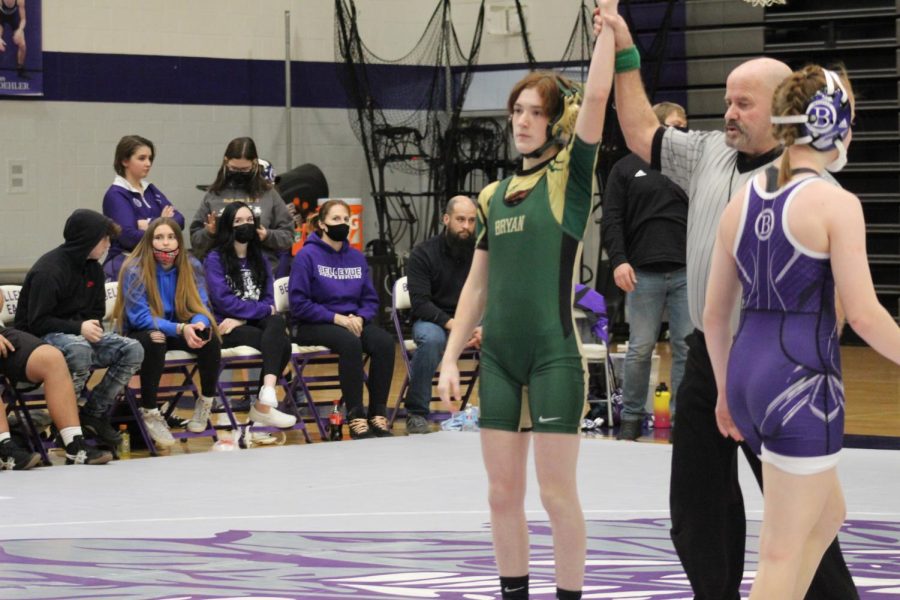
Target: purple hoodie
point(126, 206)
point(257, 301)
point(324, 283)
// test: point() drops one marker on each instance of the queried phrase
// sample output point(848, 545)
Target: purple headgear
point(826, 120)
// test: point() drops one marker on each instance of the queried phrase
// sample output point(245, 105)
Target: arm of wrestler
point(469, 312)
point(636, 117)
point(721, 295)
point(589, 123)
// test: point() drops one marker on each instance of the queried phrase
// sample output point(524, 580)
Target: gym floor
point(398, 517)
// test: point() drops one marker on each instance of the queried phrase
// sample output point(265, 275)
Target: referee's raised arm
point(636, 117)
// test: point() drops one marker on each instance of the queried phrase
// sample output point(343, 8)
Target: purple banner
point(21, 45)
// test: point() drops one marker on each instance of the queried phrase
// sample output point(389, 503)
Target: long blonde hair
point(187, 295)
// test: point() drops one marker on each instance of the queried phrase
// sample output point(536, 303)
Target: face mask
point(682, 129)
point(244, 233)
point(166, 259)
point(238, 179)
point(339, 232)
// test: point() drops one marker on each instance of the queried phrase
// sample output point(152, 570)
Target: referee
point(707, 508)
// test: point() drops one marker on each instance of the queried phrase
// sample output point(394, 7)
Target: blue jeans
point(120, 356)
point(430, 340)
point(652, 293)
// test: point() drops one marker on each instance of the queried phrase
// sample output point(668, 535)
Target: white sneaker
point(200, 421)
point(157, 428)
point(273, 418)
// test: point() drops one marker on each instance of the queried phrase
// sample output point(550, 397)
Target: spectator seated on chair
point(63, 301)
point(242, 178)
point(26, 359)
point(334, 304)
point(239, 281)
point(436, 271)
point(131, 201)
point(161, 305)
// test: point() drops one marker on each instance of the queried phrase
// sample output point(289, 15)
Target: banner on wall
point(21, 48)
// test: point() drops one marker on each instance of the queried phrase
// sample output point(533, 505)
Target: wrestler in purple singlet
point(784, 374)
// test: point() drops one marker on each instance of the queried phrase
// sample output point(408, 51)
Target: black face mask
point(682, 129)
point(339, 232)
point(238, 179)
point(244, 233)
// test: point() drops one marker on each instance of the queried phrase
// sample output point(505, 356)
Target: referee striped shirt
point(710, 173)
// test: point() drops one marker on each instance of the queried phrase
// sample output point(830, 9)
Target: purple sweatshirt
point(256, 302)
point(324, 283)
point(125, 205)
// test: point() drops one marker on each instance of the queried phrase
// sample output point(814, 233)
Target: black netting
point(402, 119)
point(406, 112)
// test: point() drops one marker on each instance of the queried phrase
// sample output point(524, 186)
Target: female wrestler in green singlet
point(529, 240)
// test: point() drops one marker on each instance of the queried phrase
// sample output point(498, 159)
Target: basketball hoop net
point(764, 2)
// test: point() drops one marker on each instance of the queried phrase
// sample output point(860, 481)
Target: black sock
point(562, 594)
point(514, 588)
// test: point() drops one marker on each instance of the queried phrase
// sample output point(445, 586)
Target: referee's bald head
point(748, 104)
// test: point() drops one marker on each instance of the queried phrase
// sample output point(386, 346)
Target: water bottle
point(661, 399)
point(336, 423)
point(125, 442)
point(470, 420)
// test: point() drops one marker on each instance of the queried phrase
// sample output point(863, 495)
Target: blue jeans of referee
point(652, 293)
point(430, 340)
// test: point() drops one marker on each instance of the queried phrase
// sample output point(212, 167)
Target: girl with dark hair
point(161, 304)
point(239, 280)
point(334, 304)
point(131, 201)
point(794, 246)
point(241, 179)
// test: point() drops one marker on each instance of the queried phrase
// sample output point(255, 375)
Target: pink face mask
point(166, 259)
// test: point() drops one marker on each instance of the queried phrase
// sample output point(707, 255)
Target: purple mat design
point(631, 559)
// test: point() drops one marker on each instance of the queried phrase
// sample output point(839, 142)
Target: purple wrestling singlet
point(785, 391)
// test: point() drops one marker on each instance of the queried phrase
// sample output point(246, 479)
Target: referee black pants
point(705, 501)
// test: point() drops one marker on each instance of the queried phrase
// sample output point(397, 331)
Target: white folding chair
point(468, 372)
point(303, 357)
point(178, 363)
point(23, 397)
point(240, 360)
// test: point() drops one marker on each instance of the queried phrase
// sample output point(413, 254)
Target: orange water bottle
point(661, 399)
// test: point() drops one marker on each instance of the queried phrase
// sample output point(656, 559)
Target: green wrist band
point(628, 59)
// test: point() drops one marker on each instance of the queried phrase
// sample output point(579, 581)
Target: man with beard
point(705, 500)
point(436, 271)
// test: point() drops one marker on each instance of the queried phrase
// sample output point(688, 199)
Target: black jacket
point(644, 217)
point(435, 277)
point(63, 288)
